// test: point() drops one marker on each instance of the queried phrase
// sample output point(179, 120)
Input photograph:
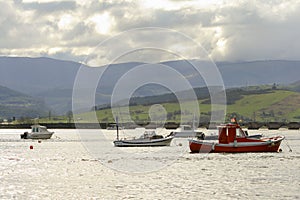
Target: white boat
point(37, 132)
point(209, 137)
point(185, 131)
point(148, 139)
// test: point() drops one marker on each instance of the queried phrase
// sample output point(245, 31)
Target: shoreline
point(169, 125)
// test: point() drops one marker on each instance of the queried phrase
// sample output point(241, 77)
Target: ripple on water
point(62, 168)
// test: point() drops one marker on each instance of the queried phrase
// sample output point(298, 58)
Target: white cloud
point(228, 30)
point(103, 22)
point(65, 21)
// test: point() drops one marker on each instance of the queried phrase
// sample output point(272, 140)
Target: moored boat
point(232, 139)
point(37, 132)
point(186, 131)
point(149, 138)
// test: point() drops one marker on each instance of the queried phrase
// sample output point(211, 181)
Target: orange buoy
point(31, 147)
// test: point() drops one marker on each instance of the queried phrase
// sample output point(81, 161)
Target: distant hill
point(237, 74)
point(52, 80)
point(16, 104)
point(34, 75)
point(262, 104)
point(271, 106)
point(59, 100)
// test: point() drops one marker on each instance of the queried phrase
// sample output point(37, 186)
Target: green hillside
point(279, 105)
point(16, 104)
point(259, 105)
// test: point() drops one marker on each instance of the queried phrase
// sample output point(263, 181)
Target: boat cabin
point(230, 132)
point(38, 129)
point(150, 135)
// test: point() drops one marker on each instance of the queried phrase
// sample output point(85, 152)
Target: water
point(62, 168)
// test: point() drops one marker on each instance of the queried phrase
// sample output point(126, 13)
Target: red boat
point(232, 139)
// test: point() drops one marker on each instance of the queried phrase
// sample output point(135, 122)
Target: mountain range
point(50, 81)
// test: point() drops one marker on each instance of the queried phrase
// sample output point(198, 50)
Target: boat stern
point(24, 135)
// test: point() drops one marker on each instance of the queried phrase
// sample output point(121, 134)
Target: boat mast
point(193, 124)
point(117, 125)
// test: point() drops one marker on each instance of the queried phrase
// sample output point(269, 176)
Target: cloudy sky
point(227, 30)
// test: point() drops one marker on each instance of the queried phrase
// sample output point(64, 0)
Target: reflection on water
point(63, 168)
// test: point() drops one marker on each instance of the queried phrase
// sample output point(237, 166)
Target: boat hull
point(144, 143)
point(37, 136)
point(271, 145)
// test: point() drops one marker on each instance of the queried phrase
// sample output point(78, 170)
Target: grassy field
point(279, 105)
point(274, 105)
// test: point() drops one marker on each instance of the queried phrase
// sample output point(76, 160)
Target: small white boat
point(37, 132)
point(186, 131)
point(148, 139)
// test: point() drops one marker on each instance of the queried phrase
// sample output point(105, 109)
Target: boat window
point(187, 128)
point(239, 133)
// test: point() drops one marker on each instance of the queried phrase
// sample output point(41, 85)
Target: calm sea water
point(64, 167)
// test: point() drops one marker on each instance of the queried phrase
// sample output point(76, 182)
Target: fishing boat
point(232, 139)
point(37, 132)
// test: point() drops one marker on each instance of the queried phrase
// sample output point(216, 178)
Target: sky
point(227, 30)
